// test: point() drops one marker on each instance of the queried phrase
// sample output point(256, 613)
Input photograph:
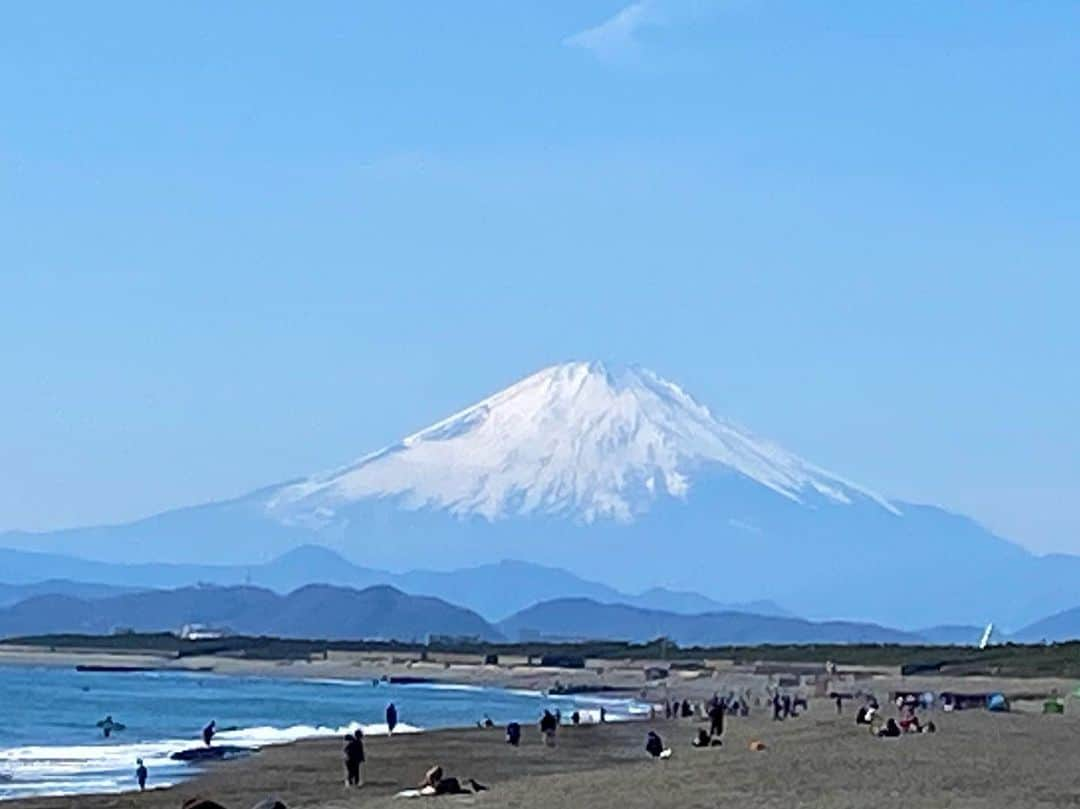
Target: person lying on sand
point(436, 783)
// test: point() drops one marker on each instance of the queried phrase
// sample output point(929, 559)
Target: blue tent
point(997, 702)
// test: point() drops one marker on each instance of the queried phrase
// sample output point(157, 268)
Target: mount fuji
point(621, 476)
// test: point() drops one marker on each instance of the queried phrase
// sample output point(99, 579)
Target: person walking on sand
point(208, 732)
point(391, 718)
point(140, 774)
point(548, 725)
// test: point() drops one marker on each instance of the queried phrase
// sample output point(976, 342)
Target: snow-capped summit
point(619, 477)
point(578, 440)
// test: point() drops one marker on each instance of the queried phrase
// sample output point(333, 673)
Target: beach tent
point(997, 702)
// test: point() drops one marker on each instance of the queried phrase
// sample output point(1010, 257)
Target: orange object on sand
point(757, 746)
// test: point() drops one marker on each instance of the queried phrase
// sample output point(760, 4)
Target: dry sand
point(977, 759)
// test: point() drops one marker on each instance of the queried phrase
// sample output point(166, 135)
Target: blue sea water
point(50, 743)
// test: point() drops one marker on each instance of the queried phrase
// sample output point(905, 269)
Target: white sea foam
point(82, 769)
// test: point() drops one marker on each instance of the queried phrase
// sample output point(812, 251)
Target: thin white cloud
point(617, 35)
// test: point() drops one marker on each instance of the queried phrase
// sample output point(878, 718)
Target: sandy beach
point(977, 759)
point(818, 760)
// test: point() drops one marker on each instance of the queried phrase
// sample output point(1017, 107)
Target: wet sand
point(977, 759)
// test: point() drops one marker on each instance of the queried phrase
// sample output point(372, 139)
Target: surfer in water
point(208, 732)
point(107, 726)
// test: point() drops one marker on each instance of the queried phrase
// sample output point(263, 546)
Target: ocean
point(50, 743)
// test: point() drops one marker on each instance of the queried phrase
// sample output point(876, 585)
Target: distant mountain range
point(495, 591)
point(315, 611)
point(1061, 626)
point(14, 593)
point(383, 612)
point(620, 477)
point(583, 619)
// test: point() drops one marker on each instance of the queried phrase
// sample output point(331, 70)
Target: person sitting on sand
point(140, 774)
point(548, 725)
point(702, 740)
point(208, 732)
point(687, 711)
point(654, 745)
point(909, 722)
point(890, 731)
point(513, 734)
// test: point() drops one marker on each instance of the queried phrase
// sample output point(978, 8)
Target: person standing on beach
point(548, 725)
point(391, 718)
point(354, 759)
point(208, 732)
point(352, 765)
point(140, 774)
point(716, 718)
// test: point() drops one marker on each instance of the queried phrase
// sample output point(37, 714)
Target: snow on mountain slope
point(576, 440)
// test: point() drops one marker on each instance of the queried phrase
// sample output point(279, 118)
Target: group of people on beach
point(733, 704)
point(869, 715)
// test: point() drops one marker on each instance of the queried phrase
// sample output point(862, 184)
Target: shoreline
point(95, 766)
point(620, 679)
point(819, 760)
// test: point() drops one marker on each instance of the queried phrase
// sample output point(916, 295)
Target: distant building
point(200, 632)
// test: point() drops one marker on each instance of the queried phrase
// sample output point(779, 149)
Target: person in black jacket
point(354, 758)
point(548, 725)
point(654, 745)
point(716, 718)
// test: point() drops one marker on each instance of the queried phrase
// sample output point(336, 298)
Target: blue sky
point(245, 241)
